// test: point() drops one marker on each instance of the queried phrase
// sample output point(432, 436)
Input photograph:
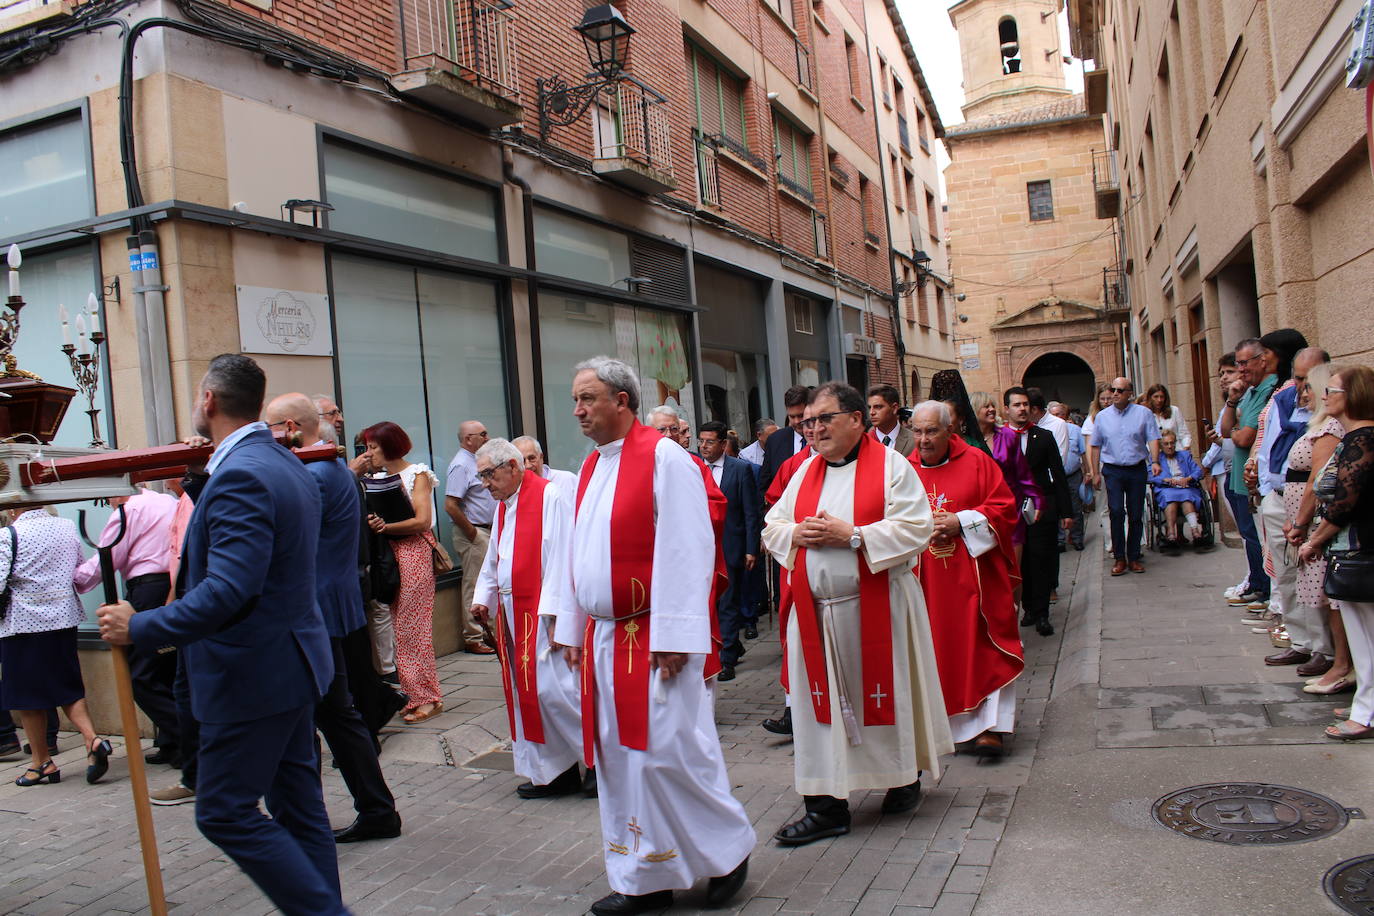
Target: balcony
point(16, 14)
point(904, 134)
point(459, 55)
point(1106, 183)
point(1095, 91)
point(633, 142)
point(1116, 298)
point(708, 176)
point(803, 66)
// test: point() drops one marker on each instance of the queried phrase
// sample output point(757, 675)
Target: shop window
point(383, 198)
point(580, 250)
point(573, 328)
point(422, 349)
point(47, 181)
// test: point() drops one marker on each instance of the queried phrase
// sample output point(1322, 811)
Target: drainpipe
point(150, 321)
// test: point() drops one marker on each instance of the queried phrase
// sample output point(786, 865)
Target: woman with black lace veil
point(948, 385)
point(1345, 490)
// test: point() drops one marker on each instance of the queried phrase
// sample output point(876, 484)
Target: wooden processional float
point(37, 475)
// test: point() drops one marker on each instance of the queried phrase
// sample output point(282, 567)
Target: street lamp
point(606, 35)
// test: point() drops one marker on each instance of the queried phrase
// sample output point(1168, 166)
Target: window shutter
point(732, 104)
point(707, 93)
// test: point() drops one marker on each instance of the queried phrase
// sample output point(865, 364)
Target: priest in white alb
point(636, 619)
point(868, 713)
point(520, 584)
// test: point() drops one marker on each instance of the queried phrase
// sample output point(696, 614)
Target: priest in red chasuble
point(966, 574)
point(636, 620)
point(519, 587)
point(867, 710)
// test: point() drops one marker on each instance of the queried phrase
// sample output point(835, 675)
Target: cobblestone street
point(1161, 669)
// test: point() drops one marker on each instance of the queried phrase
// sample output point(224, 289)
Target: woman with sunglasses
point(1345, 489)
point(412, 540)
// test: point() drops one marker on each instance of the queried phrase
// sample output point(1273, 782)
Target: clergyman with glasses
point(1125, 452)
point(868, 710)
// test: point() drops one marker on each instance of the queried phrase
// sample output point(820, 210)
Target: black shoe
point(379, 828)
point(100, 761)
point(810, 828)
point(720, 890)
point(1077, 546)
point(780, 726)
point(565, 783)
point(751, 631)
point(9, 750)
point(1027, 619)
point(727, 673)
point(902, 798)
point(589, 783)
point(393, 679)
point(1063, 548)
point(1044, 627)
point(160, 756)
point(617, 904)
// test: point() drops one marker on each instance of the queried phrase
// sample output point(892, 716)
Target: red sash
point(718, 507)
point(632, 565)
point(526, 579)
point(875, 606)
point(775, 490)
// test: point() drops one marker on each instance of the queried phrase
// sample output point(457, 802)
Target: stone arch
point(1063, 375)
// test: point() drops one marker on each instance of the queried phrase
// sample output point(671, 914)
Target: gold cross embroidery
point(637, 830)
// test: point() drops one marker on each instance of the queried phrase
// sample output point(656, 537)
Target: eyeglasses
point(336, 412)
point(490, 473)
point(278, 423)
point(1330, 390)
point(1118, 390)
point(667, 430)
point(1246, 362)
point(824, 419)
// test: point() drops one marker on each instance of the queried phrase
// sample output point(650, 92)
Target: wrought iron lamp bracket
point(561, 104)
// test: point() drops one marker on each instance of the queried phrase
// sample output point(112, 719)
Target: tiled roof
point(1058, 110)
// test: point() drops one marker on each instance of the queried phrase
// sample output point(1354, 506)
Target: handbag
point(1349, 576)
point(384, 573)
point(442, 561)
point(14, 555)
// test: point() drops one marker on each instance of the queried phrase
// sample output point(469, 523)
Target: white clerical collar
point(611, 449)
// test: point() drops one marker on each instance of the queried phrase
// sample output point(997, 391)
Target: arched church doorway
point(1063, 377)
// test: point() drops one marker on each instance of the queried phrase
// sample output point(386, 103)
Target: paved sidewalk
point(471, 846)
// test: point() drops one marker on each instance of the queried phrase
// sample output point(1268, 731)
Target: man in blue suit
point(740, 543)
point(341, 603)
point(257, 652)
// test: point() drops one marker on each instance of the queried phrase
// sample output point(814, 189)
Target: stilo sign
point(858, 345)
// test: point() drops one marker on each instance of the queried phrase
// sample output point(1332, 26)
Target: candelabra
point(86, 371)
point(9, 321)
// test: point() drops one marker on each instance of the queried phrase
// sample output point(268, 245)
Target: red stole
point(632, 565)
point(718, 507)
point(526, 580)
point(875, 605)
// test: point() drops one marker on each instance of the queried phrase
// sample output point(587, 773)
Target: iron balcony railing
point(796, 188)
point(474, 39)
point(1105, 176)
point(803, 66)
point(708, 176)
point(640, 118)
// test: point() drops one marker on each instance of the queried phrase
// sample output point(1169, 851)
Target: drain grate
point(1251, 813)
point(1350, 885)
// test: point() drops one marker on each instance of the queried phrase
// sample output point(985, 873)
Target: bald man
point(471, 509)
point(341, 604)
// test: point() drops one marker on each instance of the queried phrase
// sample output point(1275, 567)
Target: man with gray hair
point(636, 620)
point(967, 573)
point(470, 508)
point(521, 586)
point(664, 419)
point(753, 452)
point(534, 461)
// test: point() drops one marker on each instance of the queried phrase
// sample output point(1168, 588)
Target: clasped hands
point(667, 663)
point(823, 530)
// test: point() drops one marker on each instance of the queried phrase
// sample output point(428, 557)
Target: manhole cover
point(1242, 813)
point(1351, 885)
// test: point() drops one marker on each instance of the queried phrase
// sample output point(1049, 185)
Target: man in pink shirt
point(141, 559)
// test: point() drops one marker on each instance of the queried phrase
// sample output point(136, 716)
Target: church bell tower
point(1012, 54)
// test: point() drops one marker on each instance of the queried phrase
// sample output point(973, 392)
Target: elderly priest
point(966, 575)
point(849, 528)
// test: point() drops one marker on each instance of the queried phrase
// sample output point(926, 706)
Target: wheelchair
point(1157, 528)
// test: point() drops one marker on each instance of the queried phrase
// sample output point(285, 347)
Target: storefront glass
point(422, 349)
point(45, 175)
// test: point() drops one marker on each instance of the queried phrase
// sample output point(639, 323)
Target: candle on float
point(14, 261)
point(81, 334)
point(93, 306)
point(66, 328)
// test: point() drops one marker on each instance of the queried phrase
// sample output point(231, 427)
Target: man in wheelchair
point(1177, 491)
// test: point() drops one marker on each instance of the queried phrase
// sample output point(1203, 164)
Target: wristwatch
point(856, 539)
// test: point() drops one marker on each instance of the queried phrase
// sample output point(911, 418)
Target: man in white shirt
point(1041, 417)
point(753, 452)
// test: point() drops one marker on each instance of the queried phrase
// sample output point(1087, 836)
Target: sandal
point(1349, 731)
point(1342, 712)
point(40, 775)
point(99, 755)
point(415, 715)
